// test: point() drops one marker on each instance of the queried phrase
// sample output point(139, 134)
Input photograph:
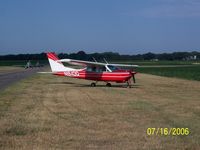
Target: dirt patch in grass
point(45, 112)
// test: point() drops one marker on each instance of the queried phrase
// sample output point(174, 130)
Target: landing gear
point(129, 84)
point(108, 84)
point(93, 84)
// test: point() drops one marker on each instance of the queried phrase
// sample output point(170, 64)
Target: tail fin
point(55, 65)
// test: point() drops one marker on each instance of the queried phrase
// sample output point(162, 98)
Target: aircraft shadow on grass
point(88, 85)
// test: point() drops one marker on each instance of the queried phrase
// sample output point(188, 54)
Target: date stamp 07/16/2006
point(167, 131)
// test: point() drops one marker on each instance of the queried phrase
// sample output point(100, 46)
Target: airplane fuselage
point(116, 76)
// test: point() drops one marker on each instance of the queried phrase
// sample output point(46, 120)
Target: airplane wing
point(81, 62)
point(90, 63)
point(124, 65)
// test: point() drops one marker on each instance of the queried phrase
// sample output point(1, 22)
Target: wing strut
point(105, 60)
point(94, 59)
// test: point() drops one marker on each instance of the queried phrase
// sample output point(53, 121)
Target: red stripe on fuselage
point(103, 76)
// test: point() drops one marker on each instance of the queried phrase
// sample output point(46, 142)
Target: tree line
point(111, 56)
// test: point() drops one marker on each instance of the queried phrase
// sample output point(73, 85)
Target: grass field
point(20, 62)
point(9, 69)
point(191, 72)
point(13, 63)
point(156, 63)
point(48, 112)
point(141, 63)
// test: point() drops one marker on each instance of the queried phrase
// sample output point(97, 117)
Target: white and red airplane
point(95, 71)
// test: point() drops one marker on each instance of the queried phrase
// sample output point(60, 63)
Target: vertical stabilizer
point(55, 65)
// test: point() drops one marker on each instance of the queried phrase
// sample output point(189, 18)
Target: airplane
point(95, 71)
point(30, 65)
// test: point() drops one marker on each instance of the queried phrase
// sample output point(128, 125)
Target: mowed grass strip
point(191, 72)
point(45, 111)
point(9, 69)
point(21, 63)
point(157, 63)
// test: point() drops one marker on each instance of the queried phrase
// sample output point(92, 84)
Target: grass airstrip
point(190, 72)
point(49, 112)
point(10, 69)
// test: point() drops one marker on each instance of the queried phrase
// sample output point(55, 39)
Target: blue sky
point(124, 26)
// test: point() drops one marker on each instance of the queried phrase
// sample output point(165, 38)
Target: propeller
point(134, 81)
point(133, 75)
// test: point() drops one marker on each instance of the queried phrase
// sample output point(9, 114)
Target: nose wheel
point(128, 84)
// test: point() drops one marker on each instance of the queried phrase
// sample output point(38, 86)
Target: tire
point(108, 85)
point(93, 84)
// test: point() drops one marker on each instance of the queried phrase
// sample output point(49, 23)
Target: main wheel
point(108, 85)
point(128, 84)
point(93, 84)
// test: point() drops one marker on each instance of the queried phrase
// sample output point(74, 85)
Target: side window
point(101, 69)
point(89, 69)
point(95, 69)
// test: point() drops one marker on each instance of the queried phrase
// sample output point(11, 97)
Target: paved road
point(7, 79)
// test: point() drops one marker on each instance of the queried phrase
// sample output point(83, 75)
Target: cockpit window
point(96, 68)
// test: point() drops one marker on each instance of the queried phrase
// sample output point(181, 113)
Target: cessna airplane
point(95, 71)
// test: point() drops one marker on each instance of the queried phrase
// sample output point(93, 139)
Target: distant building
point(155, 59)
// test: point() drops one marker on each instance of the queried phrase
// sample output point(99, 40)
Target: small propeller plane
point(95, 71)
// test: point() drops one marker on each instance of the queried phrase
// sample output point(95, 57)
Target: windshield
point(112, 68)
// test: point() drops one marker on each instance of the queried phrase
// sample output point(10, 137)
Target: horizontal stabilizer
point(45, 72)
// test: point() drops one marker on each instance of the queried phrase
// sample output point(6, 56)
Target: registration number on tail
point(71, 73)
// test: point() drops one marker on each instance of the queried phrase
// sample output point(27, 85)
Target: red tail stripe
point(52, 56)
